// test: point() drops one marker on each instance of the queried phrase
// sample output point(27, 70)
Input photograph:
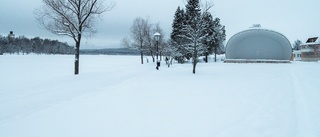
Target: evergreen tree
point(192, 12)
point(208, 20)
point(177, 24)
point(196, 34)
point(3, 43)
point(216, 38)
point(219, 36)
point(194, 31)
point(296, 45)
point(177, 40)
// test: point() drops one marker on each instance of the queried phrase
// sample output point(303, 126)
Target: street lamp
point(157, 36)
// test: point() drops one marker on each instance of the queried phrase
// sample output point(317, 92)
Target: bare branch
point(208, 6)
point(72, 16)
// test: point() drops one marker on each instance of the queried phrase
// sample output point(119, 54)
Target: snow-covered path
point(307, 102)
point(115, 96)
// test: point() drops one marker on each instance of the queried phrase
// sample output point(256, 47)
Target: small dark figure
point(167, 59)
point(158, 65)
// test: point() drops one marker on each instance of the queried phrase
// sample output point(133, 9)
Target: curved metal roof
point(259, 44)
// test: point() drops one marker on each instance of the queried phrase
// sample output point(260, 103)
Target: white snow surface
point(116, 96)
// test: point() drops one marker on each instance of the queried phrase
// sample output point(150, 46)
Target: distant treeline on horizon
point(111, 51)
point(23, 45)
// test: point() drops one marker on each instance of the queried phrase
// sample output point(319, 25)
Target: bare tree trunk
point(77, 53)
point(77, 56)
point(206, 59)
point(152, 55)
point(76, 62)
point(141, 57)
point(195, 54)
point(215, 53)
point(194, 67)
point(171, 61)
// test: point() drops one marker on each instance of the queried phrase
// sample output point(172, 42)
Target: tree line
point(24, 45)
point(195, 33)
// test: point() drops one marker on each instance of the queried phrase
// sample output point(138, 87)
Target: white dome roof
point(259, 44)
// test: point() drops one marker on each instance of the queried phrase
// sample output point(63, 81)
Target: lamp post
point(157, 36)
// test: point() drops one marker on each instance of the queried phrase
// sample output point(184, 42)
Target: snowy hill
point(115, 96)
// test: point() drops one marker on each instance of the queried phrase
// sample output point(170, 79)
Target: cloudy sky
point(296, 19)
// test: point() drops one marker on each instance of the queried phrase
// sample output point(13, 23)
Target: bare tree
point(73, 18)
point(171, 51)
point(140, 34)
point(148, 38)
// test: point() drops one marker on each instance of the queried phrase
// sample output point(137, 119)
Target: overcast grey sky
point(296, 19)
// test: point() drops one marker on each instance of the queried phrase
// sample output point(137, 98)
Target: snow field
point(115, 96)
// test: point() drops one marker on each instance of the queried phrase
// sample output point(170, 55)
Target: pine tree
point(216, 37)
point(219, 37)
point(192, 12)
point(208, 20)
point(177, 24)
point(194, 31)
point(177, 40)
point(296, 45)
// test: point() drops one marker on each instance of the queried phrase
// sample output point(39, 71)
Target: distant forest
point(23, 45)
point(113, 51)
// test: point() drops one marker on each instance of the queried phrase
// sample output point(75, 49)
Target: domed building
point(258, 44)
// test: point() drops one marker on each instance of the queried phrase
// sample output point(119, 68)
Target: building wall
point(296, 55)
point(310, 52)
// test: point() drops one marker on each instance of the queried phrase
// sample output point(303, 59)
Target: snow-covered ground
point(115, 96)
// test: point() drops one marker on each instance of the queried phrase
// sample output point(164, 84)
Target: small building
point(309, 51)
point(296, 55)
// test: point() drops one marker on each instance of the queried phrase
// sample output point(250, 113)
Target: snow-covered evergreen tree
point(208, 20)
point(177, 25)
point(176, 39)
point(194, 31)
point(220, 37)
point(216, 38)
point(193, 12)
point(296, 45)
